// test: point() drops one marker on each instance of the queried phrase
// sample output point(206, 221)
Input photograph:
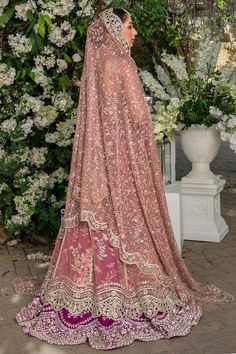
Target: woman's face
point(129, 32)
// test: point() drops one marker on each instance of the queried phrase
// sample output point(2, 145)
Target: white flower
point(232, 142)
point(22, 172)
point(216, 112)
point(153, 85)
point(40, 76)
point(38, 156)
point(47, 50)
point(207, 51)
point(28, 103)
point(231, 123)
point(177, 64)
point(220, 125)
point(52, 137)
point(62, 101)
point(53, 198)
point(4, 3)
point(58, 176)
point(19, 220)
point(58, 8)
point(87, 9)
point(61, 35)
point(24, 154)
point(7, 75)
point(48, 61)
point(20, 44)
point(9, 125)
point(164, 79)
point(76, 58)
point(63, 135)
point(21, 10)
point(26, 126)
point(3, 186)
point(45, 116)
point(62, 65)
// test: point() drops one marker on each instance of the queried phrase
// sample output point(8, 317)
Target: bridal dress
point(116, 274)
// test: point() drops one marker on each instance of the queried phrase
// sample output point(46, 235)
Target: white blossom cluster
point(3, 4)
point(76, 58)
point(22, 172)
point(41, 77)
point(38, 187)
point(3, 186)
point(61, 65)
point(226, 127)
point(19, 43)
point(164, 79)
point(177, 65)
point(208, 49)
point(153, 85)
point(7, 75)
point(48, 61)
point(28, 103)
point(57, 8)
point(62, 101)
point(228, 75)
point(21, 9)
point(165, 119)
point(45, 116)
point(86, 8)
point(63, 135)
point(24, 128)
point(8, 125)
point(60, 35)
point(206, 56)
point(38, 156)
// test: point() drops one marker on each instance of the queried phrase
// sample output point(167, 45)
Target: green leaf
point(7, 15)
point(30, 15)
point(64, 80)
point(74, 46)
point(66, 57)
point(32, 75)
point(221, 4)
point(41, 24)
point(48, 22)
point(38, 43)
point(81, 29)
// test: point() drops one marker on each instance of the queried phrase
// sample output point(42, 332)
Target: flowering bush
point(201, 95)
point(40, 67)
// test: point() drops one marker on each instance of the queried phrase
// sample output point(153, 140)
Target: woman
point(116, 274)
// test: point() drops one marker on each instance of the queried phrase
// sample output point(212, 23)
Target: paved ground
point(208, 262)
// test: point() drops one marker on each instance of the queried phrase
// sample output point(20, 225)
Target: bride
point(116, 274)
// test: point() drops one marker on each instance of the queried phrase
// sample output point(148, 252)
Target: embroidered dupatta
point(116, 187)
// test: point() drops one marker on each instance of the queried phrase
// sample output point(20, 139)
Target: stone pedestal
point(201, 212)
point(173, 198)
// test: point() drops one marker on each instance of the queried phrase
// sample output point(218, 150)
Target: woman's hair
point(122, 14)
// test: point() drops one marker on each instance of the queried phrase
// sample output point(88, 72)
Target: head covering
point(115, 181)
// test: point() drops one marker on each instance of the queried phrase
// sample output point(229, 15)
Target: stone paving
point(208, 263)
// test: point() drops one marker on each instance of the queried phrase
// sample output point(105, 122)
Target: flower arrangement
point(201, 95)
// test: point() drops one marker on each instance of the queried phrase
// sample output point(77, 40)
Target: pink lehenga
point(116, 274)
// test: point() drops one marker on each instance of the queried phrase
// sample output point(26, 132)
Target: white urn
point(200, 144)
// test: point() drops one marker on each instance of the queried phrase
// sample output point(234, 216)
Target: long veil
point(115, 253)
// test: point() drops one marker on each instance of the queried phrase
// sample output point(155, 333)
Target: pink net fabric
point(115, 255)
